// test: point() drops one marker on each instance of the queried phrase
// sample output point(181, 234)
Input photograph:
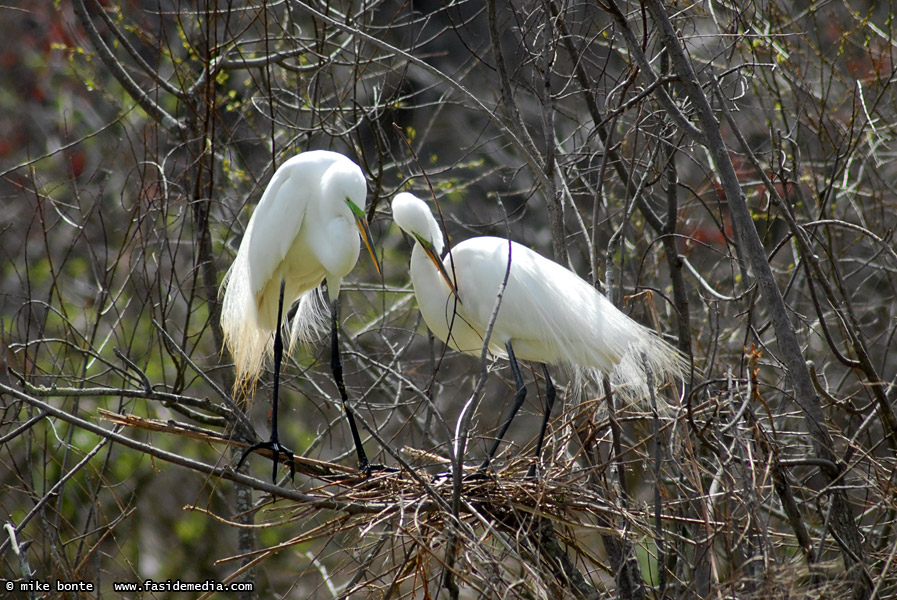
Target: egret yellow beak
point(364, 230)
point(431, 253)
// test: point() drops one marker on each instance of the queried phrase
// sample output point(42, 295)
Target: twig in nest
point(307, 466)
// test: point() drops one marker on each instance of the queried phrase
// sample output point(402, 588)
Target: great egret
point(547, 314)
point(301, 233)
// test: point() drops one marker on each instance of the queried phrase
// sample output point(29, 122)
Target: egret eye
point(359, 214)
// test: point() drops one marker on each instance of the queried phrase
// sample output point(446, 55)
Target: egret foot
point(277, 449)
point(368, 469)
point(481, 474)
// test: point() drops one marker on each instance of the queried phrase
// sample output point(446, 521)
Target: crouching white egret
point(547, 314)
point(302, 232)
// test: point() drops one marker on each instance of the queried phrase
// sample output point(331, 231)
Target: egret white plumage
point(547, 314)
point(302, 232)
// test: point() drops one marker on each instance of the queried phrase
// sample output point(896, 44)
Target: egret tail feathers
point(247, 344)
point(627, 352)
point(648, 354)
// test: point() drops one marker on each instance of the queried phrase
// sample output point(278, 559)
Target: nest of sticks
point(409, 532)
point(485, 531)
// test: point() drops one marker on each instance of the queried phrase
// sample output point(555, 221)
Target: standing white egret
point(547, 314)
point(302, 232)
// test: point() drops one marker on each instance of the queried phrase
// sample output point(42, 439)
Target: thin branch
point(131, 87)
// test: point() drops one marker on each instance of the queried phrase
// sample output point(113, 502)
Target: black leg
point(337, 367)
point(519, 397)
point(549, 403)
point(274, 444)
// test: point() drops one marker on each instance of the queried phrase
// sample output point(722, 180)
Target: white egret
point(547, 314)
point(302, 232)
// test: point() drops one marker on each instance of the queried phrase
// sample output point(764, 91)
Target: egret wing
point(279, 214)
point(549, 313)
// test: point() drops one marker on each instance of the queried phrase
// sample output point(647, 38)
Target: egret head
point(345, 181)
point(414, 217)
